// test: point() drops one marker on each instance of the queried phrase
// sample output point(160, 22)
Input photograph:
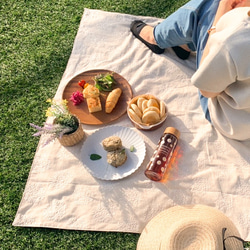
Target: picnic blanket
point(210, 170)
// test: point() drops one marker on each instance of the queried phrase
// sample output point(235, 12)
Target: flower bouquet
point(66, 127)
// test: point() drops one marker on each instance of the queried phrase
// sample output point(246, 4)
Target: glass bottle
point(158, 164)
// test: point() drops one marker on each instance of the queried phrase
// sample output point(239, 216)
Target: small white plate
point(100, 168)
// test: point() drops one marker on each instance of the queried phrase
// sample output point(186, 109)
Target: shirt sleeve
point(217, 71)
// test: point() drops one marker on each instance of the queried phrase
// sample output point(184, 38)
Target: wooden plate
point(97, 118)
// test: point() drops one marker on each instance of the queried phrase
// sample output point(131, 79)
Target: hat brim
point(189, 227)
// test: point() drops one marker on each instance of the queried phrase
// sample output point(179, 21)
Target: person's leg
point(145, 34)
point(180, 31)
point(184, 25)
point(189, 25)
point(204, 106)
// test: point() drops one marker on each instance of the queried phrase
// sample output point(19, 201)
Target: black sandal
point(136, 27)
point(181, 53)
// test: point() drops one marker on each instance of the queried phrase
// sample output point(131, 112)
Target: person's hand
point(236, 3)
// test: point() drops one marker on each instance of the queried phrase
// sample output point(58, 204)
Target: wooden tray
point(97, 118)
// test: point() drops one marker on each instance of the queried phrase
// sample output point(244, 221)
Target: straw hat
point(195, 227)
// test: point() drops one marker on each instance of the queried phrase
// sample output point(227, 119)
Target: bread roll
point(112, 99)
point(136, 109)
point(91, 91)
point(144, 105)
point(162, 109)
point(134, 116)
point(147, 110)
point(153, 103)
point(152, 108)
point(139, 102)
point(150, 117)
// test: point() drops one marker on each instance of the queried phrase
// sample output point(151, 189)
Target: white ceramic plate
point(100, 168)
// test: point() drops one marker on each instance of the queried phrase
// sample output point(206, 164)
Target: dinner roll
point(144, 105)
point(150, 117)
point(134, 116)
point(151, 109)
point(153, 103)
point(162, 109)
point(139, 102)
point(136, 109)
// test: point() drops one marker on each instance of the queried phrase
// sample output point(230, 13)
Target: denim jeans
point(189, 25)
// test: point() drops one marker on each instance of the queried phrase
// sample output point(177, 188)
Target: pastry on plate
point(117, 157)
point(112, 143)
point(91, 91)
point(112, 99)
point(94, 104)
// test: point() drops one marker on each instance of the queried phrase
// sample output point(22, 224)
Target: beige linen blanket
point(211, 170)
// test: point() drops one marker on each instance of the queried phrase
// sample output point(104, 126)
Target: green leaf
point(95, 157)
point(105, 82)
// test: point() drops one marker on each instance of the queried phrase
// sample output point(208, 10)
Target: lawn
point(36, 40)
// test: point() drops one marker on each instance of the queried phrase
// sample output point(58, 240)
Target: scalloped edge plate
point(100, 168)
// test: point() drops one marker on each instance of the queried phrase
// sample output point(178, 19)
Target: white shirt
point(226, 69)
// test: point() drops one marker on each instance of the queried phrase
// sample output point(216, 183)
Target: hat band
point(224, 239)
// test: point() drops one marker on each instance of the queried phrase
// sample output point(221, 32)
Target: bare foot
point(185, 47)
point(147, 34)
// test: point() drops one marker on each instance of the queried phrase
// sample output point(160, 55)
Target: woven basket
point(72, 138)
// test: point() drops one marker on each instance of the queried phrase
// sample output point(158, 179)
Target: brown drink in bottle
point(162, 155)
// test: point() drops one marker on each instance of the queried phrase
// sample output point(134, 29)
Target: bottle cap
point(174, 131)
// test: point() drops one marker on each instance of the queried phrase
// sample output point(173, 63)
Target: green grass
point(36, 39)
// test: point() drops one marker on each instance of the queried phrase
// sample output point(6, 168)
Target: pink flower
point(76, 98)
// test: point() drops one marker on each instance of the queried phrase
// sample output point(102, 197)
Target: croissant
point(112, 99)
